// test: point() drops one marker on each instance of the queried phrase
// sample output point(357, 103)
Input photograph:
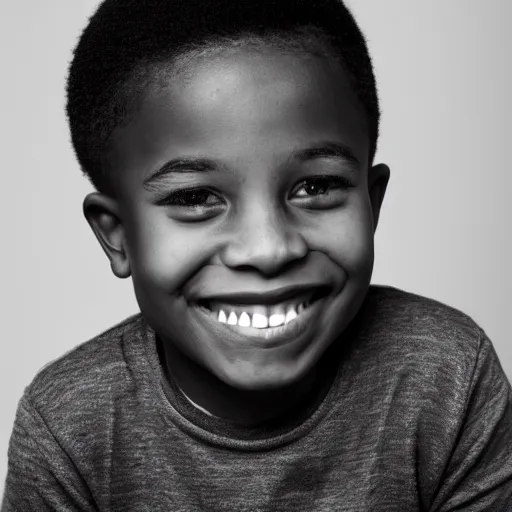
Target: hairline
point(155, 74)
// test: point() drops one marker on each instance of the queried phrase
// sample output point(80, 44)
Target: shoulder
point(90, 372)
point(398, 322)
point(67, 415)
point(405, 313)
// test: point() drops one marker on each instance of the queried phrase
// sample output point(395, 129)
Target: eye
point(322, 191)
point(192, 204)
point(190, 198)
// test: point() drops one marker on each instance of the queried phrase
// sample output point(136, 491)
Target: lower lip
point(300, 326)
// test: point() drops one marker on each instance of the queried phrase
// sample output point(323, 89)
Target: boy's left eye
point(321, 191)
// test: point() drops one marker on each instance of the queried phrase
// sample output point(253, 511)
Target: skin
point(247, 111)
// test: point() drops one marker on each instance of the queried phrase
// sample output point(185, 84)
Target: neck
point(195, 405)
point(216, 398)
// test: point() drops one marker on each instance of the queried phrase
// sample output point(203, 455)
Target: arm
point(40, 475)
point(478, 476)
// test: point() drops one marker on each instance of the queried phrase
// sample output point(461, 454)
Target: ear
point(102, 214)
point(378, 178)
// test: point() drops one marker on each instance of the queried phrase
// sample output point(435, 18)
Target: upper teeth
point(260, 317)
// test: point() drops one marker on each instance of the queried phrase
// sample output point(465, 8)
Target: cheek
point(349, 239)
point(164, 255)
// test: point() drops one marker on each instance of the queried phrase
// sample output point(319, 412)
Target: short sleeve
point(478, 476)
point(40, 476)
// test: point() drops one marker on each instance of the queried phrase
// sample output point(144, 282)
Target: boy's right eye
point(190, 198)
point(192, 204)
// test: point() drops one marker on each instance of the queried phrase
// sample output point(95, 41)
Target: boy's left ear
point(378, 178)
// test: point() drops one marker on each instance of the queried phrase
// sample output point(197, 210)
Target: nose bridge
point(263, 227)
point(264, 238)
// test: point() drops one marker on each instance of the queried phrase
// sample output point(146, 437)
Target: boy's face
point(275, 147)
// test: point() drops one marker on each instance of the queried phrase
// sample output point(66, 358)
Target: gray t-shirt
point(411, 412)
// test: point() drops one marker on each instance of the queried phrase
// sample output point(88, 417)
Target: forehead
point(242, 104)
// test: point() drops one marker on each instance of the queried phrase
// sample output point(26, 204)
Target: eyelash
point(179, 197)
point(340, 182)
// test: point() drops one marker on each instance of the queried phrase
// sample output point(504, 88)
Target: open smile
point(272, 324)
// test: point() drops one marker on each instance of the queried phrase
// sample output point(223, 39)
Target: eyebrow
point(181, 165)
point(326, 150)
point(206, 165)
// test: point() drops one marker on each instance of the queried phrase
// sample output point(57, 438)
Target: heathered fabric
point(412, 412)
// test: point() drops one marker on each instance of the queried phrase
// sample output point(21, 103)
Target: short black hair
point(126, 40)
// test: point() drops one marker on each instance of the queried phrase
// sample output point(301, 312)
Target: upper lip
point(267, 297)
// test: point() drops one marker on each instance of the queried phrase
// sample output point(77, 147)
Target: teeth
point(259, 321)
point(244, 320)
point(275, 316)
point(232, 318)
point(290, 315)
point(222, 317)
point(275, 320)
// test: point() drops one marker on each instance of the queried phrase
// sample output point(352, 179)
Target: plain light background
point(444, 74)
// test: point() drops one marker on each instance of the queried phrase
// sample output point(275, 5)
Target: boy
point(231, 146)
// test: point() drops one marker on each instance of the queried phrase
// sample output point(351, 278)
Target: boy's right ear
point(102, 214)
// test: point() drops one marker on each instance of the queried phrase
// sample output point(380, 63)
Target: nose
point(264, 240)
